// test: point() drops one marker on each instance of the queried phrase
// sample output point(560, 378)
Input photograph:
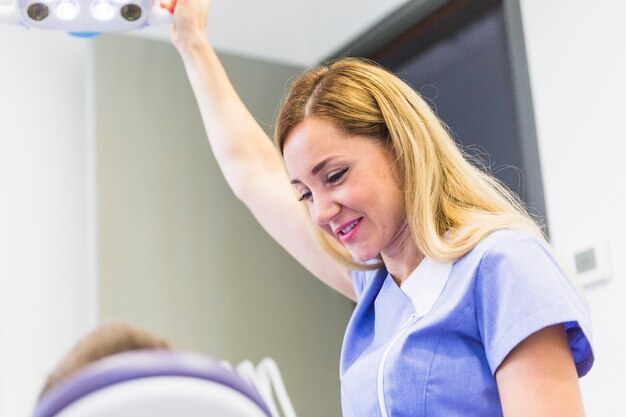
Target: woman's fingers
point(190, 20)
point(168, 5)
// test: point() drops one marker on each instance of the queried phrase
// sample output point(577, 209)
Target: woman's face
point(351, 186)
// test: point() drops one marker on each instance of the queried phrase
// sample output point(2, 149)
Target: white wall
point(44, 284)
point(577, 63)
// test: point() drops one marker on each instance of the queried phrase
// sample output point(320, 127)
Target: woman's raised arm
point(245, 154)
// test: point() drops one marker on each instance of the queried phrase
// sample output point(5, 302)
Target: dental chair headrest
point(153, 383)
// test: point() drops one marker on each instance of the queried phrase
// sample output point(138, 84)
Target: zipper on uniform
point(413, 318)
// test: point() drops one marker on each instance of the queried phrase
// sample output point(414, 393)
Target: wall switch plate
point(592, 262)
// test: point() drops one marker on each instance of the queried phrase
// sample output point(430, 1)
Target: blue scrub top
point(431, 347)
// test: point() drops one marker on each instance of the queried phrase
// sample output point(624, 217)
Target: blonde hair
point(450, 204)
point(106, 340)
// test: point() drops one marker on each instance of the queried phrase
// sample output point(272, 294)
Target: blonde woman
point(461, 308)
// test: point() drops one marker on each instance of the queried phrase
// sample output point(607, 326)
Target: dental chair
point(158, 383)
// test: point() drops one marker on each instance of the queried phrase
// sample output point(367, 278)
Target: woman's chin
point(362, 256)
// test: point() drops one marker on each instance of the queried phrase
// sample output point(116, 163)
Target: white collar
point(425, 284)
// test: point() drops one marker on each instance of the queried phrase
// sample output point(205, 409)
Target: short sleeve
point(521, 289)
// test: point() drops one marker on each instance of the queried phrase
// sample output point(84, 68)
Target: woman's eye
point(337, 176)
point(305, 196)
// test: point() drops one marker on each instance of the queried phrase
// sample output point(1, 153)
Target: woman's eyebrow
point(317, 168)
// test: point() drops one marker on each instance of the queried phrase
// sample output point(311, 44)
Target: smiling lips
point(348, 230)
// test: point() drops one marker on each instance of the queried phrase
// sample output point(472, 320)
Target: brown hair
point(450, 204)
point(106, 340)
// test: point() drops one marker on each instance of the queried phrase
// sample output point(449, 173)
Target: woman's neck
point(402, 256)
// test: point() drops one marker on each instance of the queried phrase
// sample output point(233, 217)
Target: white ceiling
point(299, 32)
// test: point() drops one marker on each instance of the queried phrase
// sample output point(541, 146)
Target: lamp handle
point(159, 15)
point(9, 14)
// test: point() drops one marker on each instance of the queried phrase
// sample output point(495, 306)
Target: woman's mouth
point(349, 230)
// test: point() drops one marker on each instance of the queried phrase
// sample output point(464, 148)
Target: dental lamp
point(85, 18)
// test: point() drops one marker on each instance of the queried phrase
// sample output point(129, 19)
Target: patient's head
point(106, 340)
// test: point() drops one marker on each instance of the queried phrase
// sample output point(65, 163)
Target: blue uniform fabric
point(431, 347)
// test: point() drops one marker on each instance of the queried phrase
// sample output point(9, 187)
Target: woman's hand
point(190, 19)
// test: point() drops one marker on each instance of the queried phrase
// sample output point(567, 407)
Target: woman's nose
point(324, 209)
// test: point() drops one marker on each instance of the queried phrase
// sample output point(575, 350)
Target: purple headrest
point(141, 364)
